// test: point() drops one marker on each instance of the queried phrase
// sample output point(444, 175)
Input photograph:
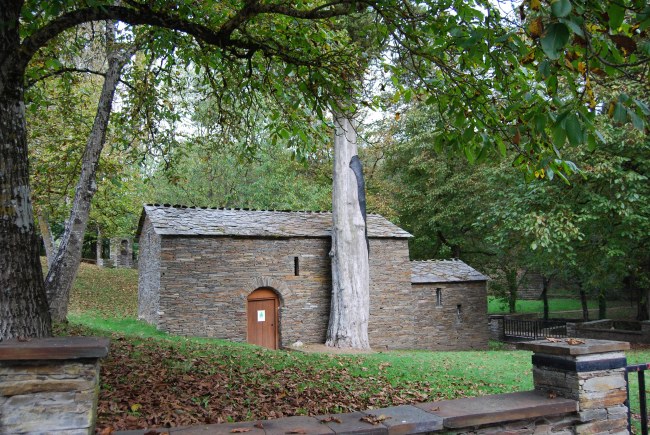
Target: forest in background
point(590, 231)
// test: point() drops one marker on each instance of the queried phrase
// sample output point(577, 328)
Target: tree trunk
point(46, 235)
point(602, 305)
point(513, 283)
point(350, 305)
point(546, 282)
point(23, 305)
point(98, 248)
point(583, 302)
point(66, 262)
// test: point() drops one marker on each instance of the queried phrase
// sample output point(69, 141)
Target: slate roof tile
point(443, 271)
point(179, 220)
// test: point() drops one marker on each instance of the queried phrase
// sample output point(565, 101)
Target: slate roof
point(193, 221)
point(431, 271)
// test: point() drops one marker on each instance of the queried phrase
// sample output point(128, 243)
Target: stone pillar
point(496, 327)
point(98, 249)
point(571, 329)
point(50, 385)
point(591, 372)
point(122, 252)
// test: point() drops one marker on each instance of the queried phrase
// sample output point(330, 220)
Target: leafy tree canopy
point(524, 83)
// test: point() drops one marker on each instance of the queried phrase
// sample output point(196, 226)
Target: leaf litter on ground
point(154, 382)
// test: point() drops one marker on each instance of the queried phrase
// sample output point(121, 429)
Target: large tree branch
point(143, 15)
point(62, 71)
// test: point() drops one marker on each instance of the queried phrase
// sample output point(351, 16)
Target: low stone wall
point(50, 385)
point(454, 324)
point(602, 330)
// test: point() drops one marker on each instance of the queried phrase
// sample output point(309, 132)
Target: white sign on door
point(261, 315)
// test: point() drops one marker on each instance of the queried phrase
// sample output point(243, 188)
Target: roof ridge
point(437, 260)
point(177, 219)
point(198, 207)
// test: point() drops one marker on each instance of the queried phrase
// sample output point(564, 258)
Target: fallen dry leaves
point(330, 419)
point(569, 341)
point(374, 419)
point(155, 383)
point(574, 341)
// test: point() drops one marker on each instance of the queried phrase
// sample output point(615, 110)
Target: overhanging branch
point(140, 14)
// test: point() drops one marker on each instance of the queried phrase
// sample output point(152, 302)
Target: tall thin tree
point(65, 265)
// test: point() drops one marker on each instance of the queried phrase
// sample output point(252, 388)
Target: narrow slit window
point(459, 312)
point(296, 266)
point(438, 297)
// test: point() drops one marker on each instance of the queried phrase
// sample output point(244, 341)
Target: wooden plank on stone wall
point(56, 348)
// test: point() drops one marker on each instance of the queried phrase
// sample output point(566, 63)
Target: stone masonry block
point(617, 412)
point(604, 383)
point(59, 411)
point(542, 429)
point(39, 386)
point(593, 414)
point(601, 426)
point(602, 400)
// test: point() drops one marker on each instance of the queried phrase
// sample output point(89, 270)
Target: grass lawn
point(562, 307)
point(151, 379)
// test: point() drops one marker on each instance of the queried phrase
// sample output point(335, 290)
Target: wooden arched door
point(262, 311)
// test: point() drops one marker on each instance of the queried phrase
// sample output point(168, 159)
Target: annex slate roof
point(192, 221)
point(423, 272)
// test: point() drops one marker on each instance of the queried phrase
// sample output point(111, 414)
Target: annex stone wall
point(457, 322)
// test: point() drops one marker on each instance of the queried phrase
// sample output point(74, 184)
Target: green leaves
point(616, 14)
point(573, 130)
point(626, 109)
point(554, 40)
point(561, 8)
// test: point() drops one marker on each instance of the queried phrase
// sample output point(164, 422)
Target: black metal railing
point(533, 329)
point(640, 370)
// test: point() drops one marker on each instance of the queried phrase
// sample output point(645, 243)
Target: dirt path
point(321, 348)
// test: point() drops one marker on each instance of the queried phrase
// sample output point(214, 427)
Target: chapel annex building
point(265, 277)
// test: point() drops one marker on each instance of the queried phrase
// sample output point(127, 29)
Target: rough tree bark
point(350, 305)
point(64, 268)
point(46, 235)
point(23, 305)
